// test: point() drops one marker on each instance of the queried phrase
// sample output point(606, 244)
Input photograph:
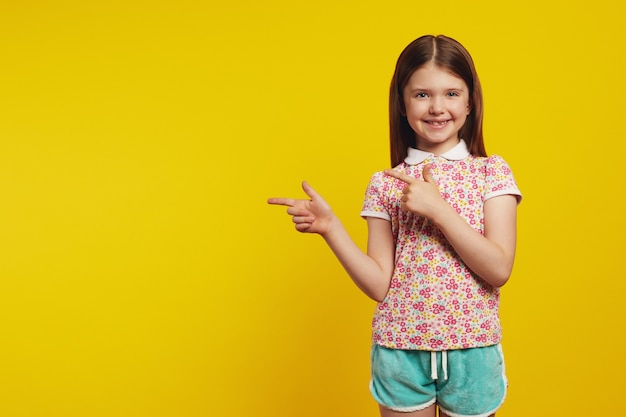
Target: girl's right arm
point(371, 272)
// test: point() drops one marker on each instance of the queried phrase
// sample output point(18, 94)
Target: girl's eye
point(421, 95)
point(453, 94)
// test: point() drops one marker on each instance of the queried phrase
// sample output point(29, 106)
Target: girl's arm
point(371, 272)
point(491, 255)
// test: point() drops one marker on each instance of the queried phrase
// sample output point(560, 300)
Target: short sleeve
point(500, 180)
point(376, 200)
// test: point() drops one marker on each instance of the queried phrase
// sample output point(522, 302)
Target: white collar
point(459, 152)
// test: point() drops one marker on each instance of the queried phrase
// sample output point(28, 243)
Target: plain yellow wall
point(142, 273)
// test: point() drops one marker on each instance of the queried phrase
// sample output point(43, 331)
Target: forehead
point(433, 75)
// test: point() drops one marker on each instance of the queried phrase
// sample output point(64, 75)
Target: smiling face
point(436, 104)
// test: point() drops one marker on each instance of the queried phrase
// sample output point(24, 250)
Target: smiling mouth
point(437, 123)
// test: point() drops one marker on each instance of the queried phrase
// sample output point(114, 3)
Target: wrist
point(332, 229)
point(441, 213)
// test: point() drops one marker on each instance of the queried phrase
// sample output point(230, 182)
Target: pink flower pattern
point(435, 302)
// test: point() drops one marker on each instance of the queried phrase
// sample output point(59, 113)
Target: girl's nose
point(436, 107)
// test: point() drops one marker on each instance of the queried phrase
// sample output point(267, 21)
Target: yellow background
point(143, 274)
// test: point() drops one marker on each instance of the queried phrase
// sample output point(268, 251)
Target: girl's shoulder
point(491, 163)
point(499, 177)
point(496, 163)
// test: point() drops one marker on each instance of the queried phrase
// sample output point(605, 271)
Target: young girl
point(441, 242)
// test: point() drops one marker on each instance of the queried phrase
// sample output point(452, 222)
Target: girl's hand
point(421, 197)
point(309, 216)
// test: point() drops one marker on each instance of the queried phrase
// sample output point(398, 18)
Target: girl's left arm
point(489, 255)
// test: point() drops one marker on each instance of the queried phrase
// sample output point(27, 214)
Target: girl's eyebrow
point(417, 88)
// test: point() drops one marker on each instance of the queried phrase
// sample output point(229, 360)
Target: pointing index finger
point(400, 176)
point(290, 202)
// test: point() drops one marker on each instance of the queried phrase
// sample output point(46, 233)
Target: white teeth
point(438, 123)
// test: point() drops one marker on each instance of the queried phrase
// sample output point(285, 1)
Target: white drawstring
point(444, 365)
point(433, 365)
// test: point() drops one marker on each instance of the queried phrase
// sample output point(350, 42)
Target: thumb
point(428, 176)
point(313, 195)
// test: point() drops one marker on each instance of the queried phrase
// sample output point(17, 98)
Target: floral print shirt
point(435, 302)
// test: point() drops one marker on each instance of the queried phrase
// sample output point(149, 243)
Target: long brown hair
point(451, 56)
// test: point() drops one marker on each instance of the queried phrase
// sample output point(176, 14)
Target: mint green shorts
point(464, 382)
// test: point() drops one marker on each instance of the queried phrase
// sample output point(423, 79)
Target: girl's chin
point(432, 143)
